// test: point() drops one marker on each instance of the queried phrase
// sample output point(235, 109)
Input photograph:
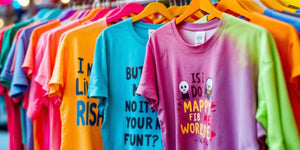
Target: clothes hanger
point(195, 16)
point(41, 13)
point(101, 14)
point(259, 4)
point(126, 10)
point(75, 14)
point(153, 8)
point(195, 5)
point(250, 6)
point(295, 3)
point(90, 15)
point(113, 12)
point(233, 6)
point(66, 14)
point(276, 5)
point(173, 9)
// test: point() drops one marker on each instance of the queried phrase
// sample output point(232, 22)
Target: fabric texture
point(196, 97)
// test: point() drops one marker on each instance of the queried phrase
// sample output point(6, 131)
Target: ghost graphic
point(184, 87)
point(209, 86)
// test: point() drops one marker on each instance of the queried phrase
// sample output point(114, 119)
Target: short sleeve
point(4, 48)
point(28, 60)
point(98, 84)
point(148, 83)
point(44, 73)
point(56, 83)
point(6, 75)
point(274, 110)
point(20, 82)
point(295, 58)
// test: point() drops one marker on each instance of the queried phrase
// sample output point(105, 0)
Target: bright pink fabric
point(43, 77)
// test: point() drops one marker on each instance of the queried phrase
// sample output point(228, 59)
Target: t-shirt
point(16, 88)
point(288, 45)
point(12, 105)
point(210, 81)
point(79, 114)
point(8, 38)
point(290, 13)
point(43, 77)
point(282, 17)
point(128, 121)
point(2, 89)
point(19, 81)
point(13, 123)
point(6, 75)
point(28, 61)
point(36, 111)
point(13, 64)
point(2, 34)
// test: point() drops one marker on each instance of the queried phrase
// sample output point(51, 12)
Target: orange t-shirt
point(288, 45)
point(80, 119)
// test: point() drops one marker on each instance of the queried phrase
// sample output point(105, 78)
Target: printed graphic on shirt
point(87, 111)
point(138, 116)
point(196, 108)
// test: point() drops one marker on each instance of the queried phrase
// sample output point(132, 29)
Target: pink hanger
point(101, 14)
point(113, 12)
point(126, 10)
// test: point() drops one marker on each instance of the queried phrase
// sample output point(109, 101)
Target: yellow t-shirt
point(81, 121)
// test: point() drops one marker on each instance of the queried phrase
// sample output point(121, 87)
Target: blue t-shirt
point(6, 75)
point(128, 121)
point(285, 18)
point(20, 83)
point(298, 11)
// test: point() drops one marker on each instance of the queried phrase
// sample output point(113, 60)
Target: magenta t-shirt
point(202, 80)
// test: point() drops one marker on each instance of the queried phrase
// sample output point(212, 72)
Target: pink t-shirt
point(13, 123)
point(43, 77)
point(37, 111)
point(207, 80)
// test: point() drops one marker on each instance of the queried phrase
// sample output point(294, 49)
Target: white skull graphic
point(209, 84)
point(184, 87)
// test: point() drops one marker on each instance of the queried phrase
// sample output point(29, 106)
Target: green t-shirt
point(274, 108)
point(8, 38)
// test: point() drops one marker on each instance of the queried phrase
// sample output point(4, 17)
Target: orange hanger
point(195, 5)
point(91, 15)
point(177, 11)
point(153, 8)
point(276, 5)
point(173, 11)
point(197, 15)
point(250, 6)
point(234, 6)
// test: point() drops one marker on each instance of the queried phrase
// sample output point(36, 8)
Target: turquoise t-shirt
point(128, 121)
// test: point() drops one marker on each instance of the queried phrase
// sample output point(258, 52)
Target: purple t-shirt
point(20, 83)
point(203, 83)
